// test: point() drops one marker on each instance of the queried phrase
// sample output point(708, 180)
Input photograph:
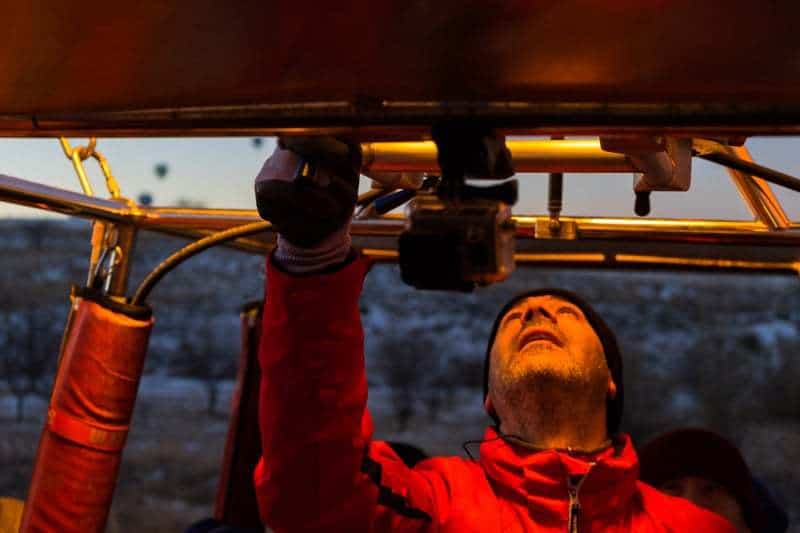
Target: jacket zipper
point(574, 502)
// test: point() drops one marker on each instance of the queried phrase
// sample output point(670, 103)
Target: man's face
point(709, 495)
point(546, 339)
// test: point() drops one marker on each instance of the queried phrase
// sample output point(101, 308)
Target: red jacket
point(323, 472)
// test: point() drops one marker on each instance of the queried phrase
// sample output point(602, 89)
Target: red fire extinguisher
point(89, 414)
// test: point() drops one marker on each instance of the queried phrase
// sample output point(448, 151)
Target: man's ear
point(487, 404)
point(612, 388)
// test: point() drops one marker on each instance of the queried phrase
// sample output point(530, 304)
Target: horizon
point(219, 172)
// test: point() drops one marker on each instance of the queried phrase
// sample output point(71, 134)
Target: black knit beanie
point(702, 453)
point(607, 339)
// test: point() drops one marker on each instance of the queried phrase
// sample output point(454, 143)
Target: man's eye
point(568, 311)
point(514, 315)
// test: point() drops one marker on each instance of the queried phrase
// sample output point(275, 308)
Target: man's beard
point(543, 394)
point(529, 381)
point(536, 373)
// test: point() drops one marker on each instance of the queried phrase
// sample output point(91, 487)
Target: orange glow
point(706, 262)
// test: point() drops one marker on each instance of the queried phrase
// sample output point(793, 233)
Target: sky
point(219, 172)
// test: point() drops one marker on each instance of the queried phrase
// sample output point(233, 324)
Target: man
point(553, 385)
point(709, 471)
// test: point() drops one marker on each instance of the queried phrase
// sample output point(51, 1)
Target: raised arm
point(320, 471)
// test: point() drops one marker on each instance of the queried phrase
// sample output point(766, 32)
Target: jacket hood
point(541, 478)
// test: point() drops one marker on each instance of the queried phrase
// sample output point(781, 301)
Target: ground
point(716, 351)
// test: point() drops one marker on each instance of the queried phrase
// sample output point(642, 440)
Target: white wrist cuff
point(331, 251)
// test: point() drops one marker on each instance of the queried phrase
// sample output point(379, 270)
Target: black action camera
point(460, 236)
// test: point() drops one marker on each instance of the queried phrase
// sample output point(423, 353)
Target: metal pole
point(757, 194)
point(413, 119)
point(720, 154)
point(379, 236)
point(116, 284)
point(32, 194)
point(541, 155)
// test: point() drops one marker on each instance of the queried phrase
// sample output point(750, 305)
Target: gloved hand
point(310, 200)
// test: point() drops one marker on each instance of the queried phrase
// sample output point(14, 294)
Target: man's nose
point(533, 312)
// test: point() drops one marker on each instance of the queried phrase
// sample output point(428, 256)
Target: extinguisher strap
point(137, 312)
point(96, 436)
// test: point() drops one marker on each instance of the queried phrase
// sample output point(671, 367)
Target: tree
point(406, 365)
point(185, 201)
point(780, 394)
point(207, 360)
point(28, 355)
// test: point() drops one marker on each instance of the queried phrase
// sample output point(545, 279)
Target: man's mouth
point(536, 334)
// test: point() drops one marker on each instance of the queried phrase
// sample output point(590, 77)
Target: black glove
point(308, 188)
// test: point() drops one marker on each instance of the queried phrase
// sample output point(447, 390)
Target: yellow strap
point(10, 514)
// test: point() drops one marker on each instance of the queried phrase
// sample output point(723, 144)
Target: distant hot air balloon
point(145, 199)
point(258, 142)
point(161, 170)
